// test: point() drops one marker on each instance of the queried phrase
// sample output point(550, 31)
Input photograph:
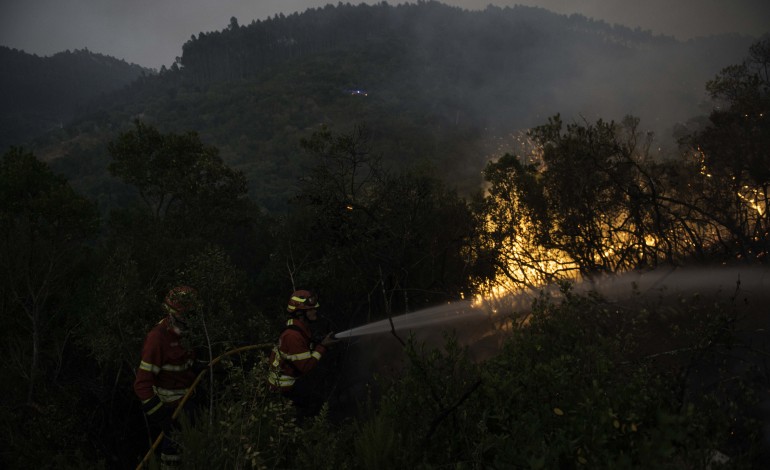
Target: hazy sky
point(151, 32)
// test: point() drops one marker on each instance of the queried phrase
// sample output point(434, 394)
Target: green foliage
point(406, 233)
point(176, 175)
point(195, 205)
point(49, 435)
point(226, 315)
point(192, 202)
point(122, 307)
point(376, 442)
point(577, 387)
point(568, 389)
point(45, 229)
point(250, 427)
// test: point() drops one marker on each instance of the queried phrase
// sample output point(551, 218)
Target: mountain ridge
point(41, 93)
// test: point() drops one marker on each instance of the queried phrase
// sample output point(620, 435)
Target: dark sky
point(151, 32)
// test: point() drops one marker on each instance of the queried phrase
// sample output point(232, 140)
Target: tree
point(177, 176)
point(191, 199)
point(192, 223)
point(374, 240)
point(509, 241)
point(44, 230)
point(587, 203)
point(732, 156)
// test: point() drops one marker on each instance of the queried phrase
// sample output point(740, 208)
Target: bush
point(575, 387)
point(571, 388)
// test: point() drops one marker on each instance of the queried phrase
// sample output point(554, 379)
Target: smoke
point(743, 284)
point(523, 65)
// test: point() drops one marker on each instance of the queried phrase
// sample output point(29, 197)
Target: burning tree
point(588, 204)
point(732, 157)
point(592, 200)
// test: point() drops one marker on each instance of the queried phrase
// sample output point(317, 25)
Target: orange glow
point(752, 198)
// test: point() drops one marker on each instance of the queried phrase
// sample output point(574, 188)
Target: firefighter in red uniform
point(166, 370)
point(296, 354)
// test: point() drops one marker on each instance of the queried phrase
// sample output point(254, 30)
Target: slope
point(437, 85)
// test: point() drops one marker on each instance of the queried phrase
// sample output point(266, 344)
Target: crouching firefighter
point(167, 369)
point(296, 354)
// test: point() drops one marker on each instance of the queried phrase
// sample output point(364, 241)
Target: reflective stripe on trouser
point(169, 396)
point(170, 461)
point(281, 381)
point(274, 377)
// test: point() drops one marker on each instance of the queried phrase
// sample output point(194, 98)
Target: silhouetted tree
point(732, 154)
point(370, 238)
point(191, 200)
point(587, 202)
point(44, 228)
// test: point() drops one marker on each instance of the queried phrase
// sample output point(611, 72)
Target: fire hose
point(265, 346)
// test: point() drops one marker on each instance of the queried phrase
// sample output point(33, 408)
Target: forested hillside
point(435, 84)
point(39, 94)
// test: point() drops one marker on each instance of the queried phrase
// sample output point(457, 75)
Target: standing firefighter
point(297, 353)
point(166, 369)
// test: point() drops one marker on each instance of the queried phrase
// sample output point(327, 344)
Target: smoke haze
point(151, 32)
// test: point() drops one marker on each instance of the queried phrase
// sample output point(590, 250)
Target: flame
point(753, 199)
point(752, 196)
point(531, 266)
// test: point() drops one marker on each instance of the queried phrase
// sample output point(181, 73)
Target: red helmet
point(180, 300)
point(302, 300)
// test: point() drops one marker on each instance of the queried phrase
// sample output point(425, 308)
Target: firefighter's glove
point(156, 411)
point(329, 340)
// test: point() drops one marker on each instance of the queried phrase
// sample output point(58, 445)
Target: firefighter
point(167, 369)
point(297, 353)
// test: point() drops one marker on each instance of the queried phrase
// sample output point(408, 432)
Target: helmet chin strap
point(179, 325)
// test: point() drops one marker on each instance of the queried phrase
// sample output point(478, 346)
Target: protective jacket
point(165, 371)
point(294, 356)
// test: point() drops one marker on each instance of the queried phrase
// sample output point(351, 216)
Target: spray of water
point(746, 283)
point(428, 317)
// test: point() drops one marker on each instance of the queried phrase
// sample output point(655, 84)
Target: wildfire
point(753, 199)
point(527, 266)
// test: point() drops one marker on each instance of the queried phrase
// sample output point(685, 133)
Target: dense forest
point(344, 149)
point(440, 86)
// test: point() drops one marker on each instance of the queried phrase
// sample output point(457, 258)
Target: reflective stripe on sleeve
point(149, 367)
point(302, 356)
